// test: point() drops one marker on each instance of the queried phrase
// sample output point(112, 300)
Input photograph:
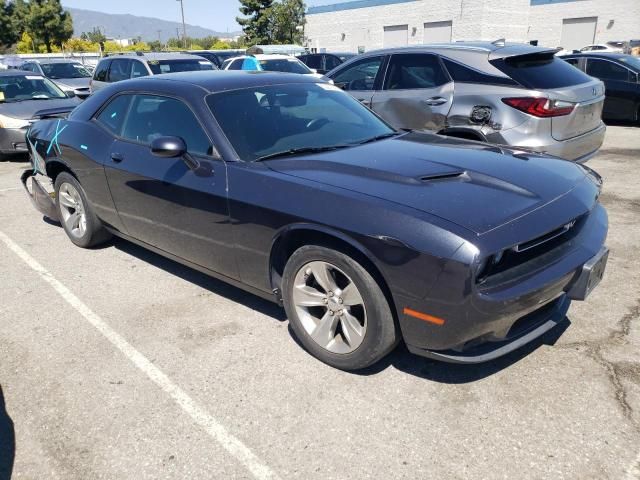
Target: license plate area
point(590, 276)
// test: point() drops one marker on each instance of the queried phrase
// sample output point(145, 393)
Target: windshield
point(267, 120)
point(64, 70)
point(180, 65)
point(27, 87)
point(290, 65)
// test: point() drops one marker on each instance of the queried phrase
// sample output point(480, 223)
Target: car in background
point(621, 76)
point(69, 75)
point(287, 187)
point(324, 62)
point(270, 63)
point(612, 47)
point(118, 67)
point(24, 98)
point(217, 57)
point(509, 94)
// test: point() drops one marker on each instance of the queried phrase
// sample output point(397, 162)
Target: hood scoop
point(442, 176)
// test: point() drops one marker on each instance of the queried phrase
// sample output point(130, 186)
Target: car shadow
point(7, 441)
point(621, 123)
point(403, 360)
point(200, 279)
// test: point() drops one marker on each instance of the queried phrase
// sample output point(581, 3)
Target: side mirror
point(168, 147)
point(71, 94)
point(173, 147)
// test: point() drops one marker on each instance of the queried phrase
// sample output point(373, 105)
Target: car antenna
point(499, 42)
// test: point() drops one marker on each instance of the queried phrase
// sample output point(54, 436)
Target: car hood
point(28, 109)
point(477, 186)
point(73, 82)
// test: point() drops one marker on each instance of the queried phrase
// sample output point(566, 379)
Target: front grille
point(530, 256)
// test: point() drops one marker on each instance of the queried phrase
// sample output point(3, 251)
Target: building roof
point(337, 7)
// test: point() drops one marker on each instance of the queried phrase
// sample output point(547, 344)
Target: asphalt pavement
point(116, 363)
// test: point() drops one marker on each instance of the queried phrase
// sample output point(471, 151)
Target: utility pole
point(160, 39)
point(184, 26)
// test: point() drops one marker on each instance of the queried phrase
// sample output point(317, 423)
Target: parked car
point(269, 63)
point(135, 65)
point(620, 74)
point(324, 62)
point(287, 187)
point(24, 98)
point(517, 95)
point(217, 57)
point(69, 75)
point(612, 47)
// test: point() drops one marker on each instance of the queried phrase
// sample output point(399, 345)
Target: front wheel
point(79, 221)
point(337, 309)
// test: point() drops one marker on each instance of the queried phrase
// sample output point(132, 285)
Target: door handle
point(435, 101)
point(117, 157)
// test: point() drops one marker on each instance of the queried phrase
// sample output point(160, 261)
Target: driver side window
point(360, 75)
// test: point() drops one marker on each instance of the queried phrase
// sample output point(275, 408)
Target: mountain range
point(132, 26)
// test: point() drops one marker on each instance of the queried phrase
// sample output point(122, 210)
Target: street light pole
point(184, 26)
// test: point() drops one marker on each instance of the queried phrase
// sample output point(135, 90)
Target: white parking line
point(217, 431)
point(9, 189)
point(633, 472)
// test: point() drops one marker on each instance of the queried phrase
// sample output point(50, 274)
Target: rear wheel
point(337, 309)
point(79, 221)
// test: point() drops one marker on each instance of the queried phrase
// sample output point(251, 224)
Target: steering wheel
point(317, 123)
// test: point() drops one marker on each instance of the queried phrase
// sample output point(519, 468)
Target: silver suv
point(69, 75)
point(121, 66)
point(510, 94)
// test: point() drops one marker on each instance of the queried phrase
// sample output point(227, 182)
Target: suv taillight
point(540, 106)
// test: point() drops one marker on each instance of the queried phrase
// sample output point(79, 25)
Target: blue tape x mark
point(54, 140)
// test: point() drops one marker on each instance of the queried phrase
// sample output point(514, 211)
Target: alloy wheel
point(330, 307)
point(72, 210)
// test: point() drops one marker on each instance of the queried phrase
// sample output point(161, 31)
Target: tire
point(77, 217)
point(309, 305)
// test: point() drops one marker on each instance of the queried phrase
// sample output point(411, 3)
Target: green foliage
point(46, 25)
point(256, 22)
point(95, 36)
point(269, 21)
point(287, 19)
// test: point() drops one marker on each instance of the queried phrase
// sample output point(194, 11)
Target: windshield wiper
point(379, 137)
point(299, 151)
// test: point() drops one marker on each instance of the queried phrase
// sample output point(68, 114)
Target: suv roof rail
point(111, 54)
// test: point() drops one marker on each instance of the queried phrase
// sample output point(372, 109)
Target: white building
point(368, 24)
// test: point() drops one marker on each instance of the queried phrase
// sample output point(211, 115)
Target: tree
point(25, 44)
point(81, 45)
point(9, 33)
point(48, 23)
point(287, 18)
point(94, 36)
point(255, 21)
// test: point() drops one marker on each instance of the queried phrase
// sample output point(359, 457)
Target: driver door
point(361, 78)
point(163, 202)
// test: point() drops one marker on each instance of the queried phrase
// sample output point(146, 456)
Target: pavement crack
point(616, 371)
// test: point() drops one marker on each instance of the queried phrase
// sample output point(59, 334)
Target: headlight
point(10, 122)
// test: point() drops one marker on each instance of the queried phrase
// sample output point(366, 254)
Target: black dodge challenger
point(289, 188)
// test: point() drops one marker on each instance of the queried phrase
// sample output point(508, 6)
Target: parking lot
point(118, 363)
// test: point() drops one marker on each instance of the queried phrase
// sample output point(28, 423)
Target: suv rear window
point(541, 71)
point(171, 66)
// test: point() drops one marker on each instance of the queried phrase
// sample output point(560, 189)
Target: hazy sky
point(215, 14)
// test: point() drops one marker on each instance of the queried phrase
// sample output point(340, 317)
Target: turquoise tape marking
point(84, 147)
point(114, 114)
point(54, 140)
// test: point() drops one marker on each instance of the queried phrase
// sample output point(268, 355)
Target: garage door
point(578, 32)
point(437, 32)
point(395, 36)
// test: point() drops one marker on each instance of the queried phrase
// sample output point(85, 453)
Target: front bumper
point(13, 140)
point(40, 198)
point(480, 322)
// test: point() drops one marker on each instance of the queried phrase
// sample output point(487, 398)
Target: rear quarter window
point(541, 71)
point(461, 73)
point(100, 73)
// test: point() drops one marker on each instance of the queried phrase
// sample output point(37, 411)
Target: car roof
point(272, 56)
point(609, 55)
point(52, 60)
point(17, 73)
point(485, 48)
point(218, 80)
point(153, 56)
